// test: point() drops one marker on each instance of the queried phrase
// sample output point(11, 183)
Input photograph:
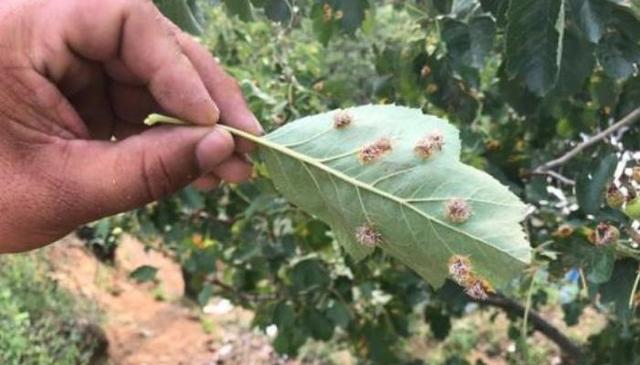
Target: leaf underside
point(401, 195)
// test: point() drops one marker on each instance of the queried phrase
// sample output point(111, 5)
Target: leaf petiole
point(154, 119)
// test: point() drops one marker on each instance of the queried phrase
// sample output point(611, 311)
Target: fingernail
point(214, 148)
point(214, 114)
point(259, 129)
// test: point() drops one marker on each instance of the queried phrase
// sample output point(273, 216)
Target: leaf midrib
point(315, 163)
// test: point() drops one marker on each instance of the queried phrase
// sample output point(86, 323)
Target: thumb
point(115, 177)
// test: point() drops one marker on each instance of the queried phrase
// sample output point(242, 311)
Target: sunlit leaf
point(399, 196)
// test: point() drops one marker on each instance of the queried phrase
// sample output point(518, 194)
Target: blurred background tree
point(545, 94)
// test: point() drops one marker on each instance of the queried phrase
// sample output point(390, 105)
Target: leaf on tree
point(182, 13)
point(375, 187)
point(618, 55)
point(591, 17)
point(535, 31)
point(591, 184)
point(277, 10)
point(241, 8)
point(618, 290)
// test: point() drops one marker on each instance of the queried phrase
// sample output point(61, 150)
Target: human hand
point(74, 74)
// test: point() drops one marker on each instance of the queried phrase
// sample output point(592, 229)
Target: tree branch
point(555, 175)
point(573, 353)
point(628, 119)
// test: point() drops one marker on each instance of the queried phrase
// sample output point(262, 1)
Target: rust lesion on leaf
point(457, 210)
point(605, 234)
point(342, 119)
point(478, 288)
point(367, 235)
point(459, 268)
point(374, 151)
point(461, 271)
point(429, 145)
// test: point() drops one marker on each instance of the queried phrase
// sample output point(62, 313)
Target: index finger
point(136, 34)
point(224, 89)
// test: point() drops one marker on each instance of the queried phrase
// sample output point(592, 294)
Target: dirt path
point(143, 330)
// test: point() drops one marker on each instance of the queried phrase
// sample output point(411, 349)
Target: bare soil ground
point(148, 324)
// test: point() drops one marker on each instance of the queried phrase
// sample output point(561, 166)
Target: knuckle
point(156, 178)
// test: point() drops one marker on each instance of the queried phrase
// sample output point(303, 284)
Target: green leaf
point(604, 90)
point(277, 10)
point(630, 97)
point(468, 44)
point(601, 266)
point(290, 339)
point(442, 6)
point(618, 290)
point(482, 31)
point(320, 327)
point(205, 295)
point(309, 275)
point(591, 184)
point(535, 30)
point(181, 12)
point(439, 321)
point(380, 341)
point(353, 13)
point(322, 28)
point(451, 93)
point(591, 17)
point(498, 8)
point(572, 312)
point(283, 315)
point(618, 55)
point(456, 35)
point(625, 20)
point(241, 8)
point(339, 314)
point(401, 196)
point(577, 64)
point(462, 8)
point(192, 199)
point(144, 274)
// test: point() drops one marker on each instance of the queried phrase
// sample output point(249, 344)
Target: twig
point(572, 351)
point(555, 175)
point(585, 285)
point(634, 289)
point(624, 250)
point(527, 310)
point(628, 119)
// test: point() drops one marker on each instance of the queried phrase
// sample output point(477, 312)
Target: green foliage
point(41, 324)
point(185, 13)
point(144, 274)
point(590, 185)
point(534, 42)
point(523, 81)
